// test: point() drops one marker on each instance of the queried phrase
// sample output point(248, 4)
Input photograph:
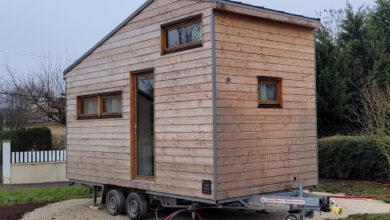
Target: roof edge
point(272, 11)
point(270, 14)
point(116, 29)
point(264, 9)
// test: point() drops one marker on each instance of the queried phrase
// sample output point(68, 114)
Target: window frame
point(178, 24)
point(115, 95)
point(278, 103)
point(79, 107)
point(100, 114)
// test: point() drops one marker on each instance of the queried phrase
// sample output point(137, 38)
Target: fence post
point(6, 162)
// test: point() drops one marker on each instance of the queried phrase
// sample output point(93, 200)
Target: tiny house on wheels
point(207, 101)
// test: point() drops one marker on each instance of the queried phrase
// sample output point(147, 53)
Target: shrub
point(352, 158)
point(28, 139)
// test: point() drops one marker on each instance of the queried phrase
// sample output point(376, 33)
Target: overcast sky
point(65, 29)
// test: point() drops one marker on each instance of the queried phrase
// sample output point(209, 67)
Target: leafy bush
point(352, 158)
point(28, 139)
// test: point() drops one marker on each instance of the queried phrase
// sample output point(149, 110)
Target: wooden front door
point(142, 108)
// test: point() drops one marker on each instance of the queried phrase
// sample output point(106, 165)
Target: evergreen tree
point(353, 51)
point(332, 94)
point(351, 41)
point(378, 43)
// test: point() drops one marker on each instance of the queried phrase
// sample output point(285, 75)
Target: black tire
point(291, 217)
point(115, 202)
point(136, 206)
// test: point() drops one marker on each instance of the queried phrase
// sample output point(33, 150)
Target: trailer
point(136, 203)
point(206, 101)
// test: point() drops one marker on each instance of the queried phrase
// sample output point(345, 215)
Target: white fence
point(32, 166)
point(38, 156)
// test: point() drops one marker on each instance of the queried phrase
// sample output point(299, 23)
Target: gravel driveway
point(79, 209)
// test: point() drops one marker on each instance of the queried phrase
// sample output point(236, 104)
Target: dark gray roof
point(228, 2)
point(259, 8)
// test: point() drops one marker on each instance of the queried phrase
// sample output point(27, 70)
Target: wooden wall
point(263, 150)
point(99, 150)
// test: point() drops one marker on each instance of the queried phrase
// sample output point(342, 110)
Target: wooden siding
point(99, 149)
point(262, 150)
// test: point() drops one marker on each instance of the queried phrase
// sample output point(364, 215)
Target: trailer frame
point(294, 201)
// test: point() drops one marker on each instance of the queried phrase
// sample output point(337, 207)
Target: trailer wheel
point(291, 217)
point(115, 202)
point(136, 205)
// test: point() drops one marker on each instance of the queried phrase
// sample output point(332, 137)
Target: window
point(182, 35)
point(99, 106)
point(89, 106)
point(270, 92)
point(112, 105)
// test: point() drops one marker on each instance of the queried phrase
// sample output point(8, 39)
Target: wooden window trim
point(181, 23)
point(79, 107)
point(133, 122)
point(100, 114)
point(278, 103)
point(117, 95)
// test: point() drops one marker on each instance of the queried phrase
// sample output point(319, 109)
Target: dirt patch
point(16, 212)
point(79, 209)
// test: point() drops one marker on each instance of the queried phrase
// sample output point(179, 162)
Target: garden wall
point(32, 166)
point(43, 172)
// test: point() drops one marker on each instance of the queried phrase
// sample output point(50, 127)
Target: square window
point(269, 92)
point(89, 106)
point(182, 35)
point(112, 104)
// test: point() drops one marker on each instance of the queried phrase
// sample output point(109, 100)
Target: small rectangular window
point(89, 106)
point(269, 92)
point(99, 106)
point(182, 35)
point(112, 104)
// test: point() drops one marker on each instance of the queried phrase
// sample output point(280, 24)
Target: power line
point(28, 96)
point(32, 55)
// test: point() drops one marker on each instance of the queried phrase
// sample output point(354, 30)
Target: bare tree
point(331, 20)
point(43, 89)
point(373, 114)
point(189, 33)
point(12, 109)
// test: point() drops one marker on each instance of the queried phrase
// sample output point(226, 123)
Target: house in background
point(35, 118)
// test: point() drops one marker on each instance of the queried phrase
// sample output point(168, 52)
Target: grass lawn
point(368, 216)
point(354, 189)
point(48, 194)
point(357, 189)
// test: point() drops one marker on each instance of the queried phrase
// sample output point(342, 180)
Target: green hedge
point(28, 139)
point(352, 158)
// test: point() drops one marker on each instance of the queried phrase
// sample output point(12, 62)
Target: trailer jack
point(335, 208)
